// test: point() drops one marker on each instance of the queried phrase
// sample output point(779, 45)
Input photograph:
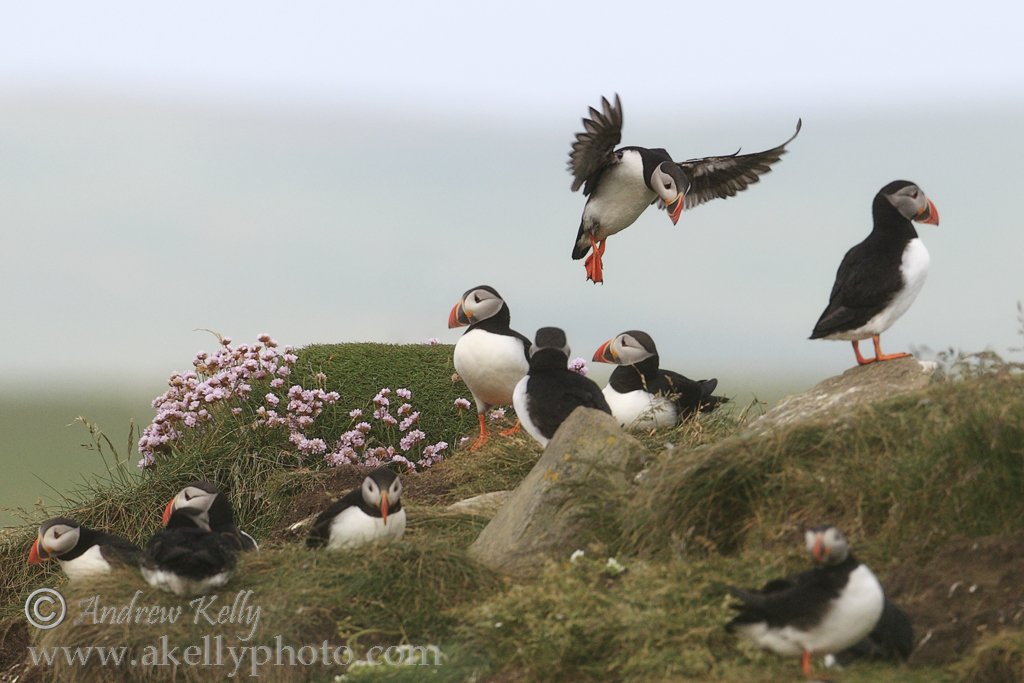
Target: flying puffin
point(490, 357)
point(371, 513)
point(642, 395)
point(621, 183)
point(879, 278)
point(214, 508)
point(818, 612)
point(187, 558)
point(551, 391)
point(81, 552)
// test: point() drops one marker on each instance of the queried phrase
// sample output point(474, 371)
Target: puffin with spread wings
point(621, 183)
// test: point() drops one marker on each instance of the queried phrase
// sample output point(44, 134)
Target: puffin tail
point(581, 246)
point(708, 402)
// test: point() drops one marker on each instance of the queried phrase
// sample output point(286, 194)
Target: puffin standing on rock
point(641, 394)
point(818, 612)
point(490, 357)
point(621, 183)
point(213, 508)
point(372, 513)
point(879, 278)
point(551, 391)
point(81, 552)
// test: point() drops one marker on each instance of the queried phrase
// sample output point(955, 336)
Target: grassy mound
point(915, 482)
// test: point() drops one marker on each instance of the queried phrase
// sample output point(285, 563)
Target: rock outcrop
point(543, 517)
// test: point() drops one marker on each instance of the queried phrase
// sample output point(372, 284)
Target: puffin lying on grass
point(187, 558)
point(213, 508)
point(879, 279)
point(371, 513)
point(81, 552)
point(819, 612)
point(621, 183)
point(644, 396)
point(490, 357)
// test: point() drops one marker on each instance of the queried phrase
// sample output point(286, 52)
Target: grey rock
point(545, 516)
point(484, 505)
point(829, 400)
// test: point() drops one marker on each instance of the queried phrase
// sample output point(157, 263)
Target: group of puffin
point(195, 550)
point(837, 605)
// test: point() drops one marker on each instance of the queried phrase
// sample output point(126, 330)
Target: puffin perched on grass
point(644, 396)
point(213, 508)
point(490, 357)
point(879, 279)
point(371, 513)
point(81, 552)
point(551, 391)
point(187, 558)
point(819, 612)
point(621, 183)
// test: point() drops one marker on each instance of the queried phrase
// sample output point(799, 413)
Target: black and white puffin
point(372, 513)
point(551, 391)
point(644, 396)
point(818, 612)
point(187, 558)
point(490, 357)
point(213, 507)
point(892, 639)
point(879, 278)
point(81, 552)
point(621, 183)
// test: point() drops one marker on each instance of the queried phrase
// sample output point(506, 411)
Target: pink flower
point(404, 394)
point(355, 413)
point(462, 404)
point(433, 341)
point(496, 414)
point(579, 366)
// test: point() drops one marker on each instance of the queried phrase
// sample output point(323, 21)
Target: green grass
point(714, 507)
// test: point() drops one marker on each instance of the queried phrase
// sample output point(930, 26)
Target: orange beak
point(384, 507)
point(168, 511)
point(33, 555)
point(604, 353)
point(930, 215)
point(819, 551)
point(458, 317)
point(675, 209)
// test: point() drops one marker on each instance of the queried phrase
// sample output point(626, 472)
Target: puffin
point(490, 357)
point(371, 513)
point(214, 507)
point(644, 396)
point(620, 183)
point(892, 639)
point(551, 391)
point(818, 612)
point(187, 558)
point(879, 279)
point(81, 552)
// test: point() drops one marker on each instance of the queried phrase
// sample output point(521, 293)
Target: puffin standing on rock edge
point(551, 391)
point(879, 279)
point(371, 513)
point(644, 396)
point(621, 183)
point(81, 552)
point(818, 612)
point(490, 357)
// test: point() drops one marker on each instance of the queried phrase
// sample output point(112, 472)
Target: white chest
point(182, 585)
point(621, 197)
point(641, 410)
point(520, 400)
point(352, 527)
point(89, 564)
point(490, 365)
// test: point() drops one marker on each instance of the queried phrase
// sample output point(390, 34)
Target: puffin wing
point(723, 176)
point(594, 149)
point(798, 602)
point(320, 532)
point(117, 550)
point(860, 291)
point(690, 395)
point(564, 394)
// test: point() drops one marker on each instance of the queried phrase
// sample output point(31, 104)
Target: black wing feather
point(563, 391)
point(723, 176)
point(320, 532)
point(594, 148)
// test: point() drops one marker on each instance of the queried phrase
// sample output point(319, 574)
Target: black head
point(550, 338)
point(56, 537)
point(826, 544)
point(477, 304)
point(906, 200)
point(382, 489)
point(628, 348)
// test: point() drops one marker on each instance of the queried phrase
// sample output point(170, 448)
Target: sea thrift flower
point(355, 413)
point(579, 366)
point(403, 394)
point(496, 414)
point(462, 404)
point(433, 341)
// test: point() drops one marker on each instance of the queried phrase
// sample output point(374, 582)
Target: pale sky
point(331, 172)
